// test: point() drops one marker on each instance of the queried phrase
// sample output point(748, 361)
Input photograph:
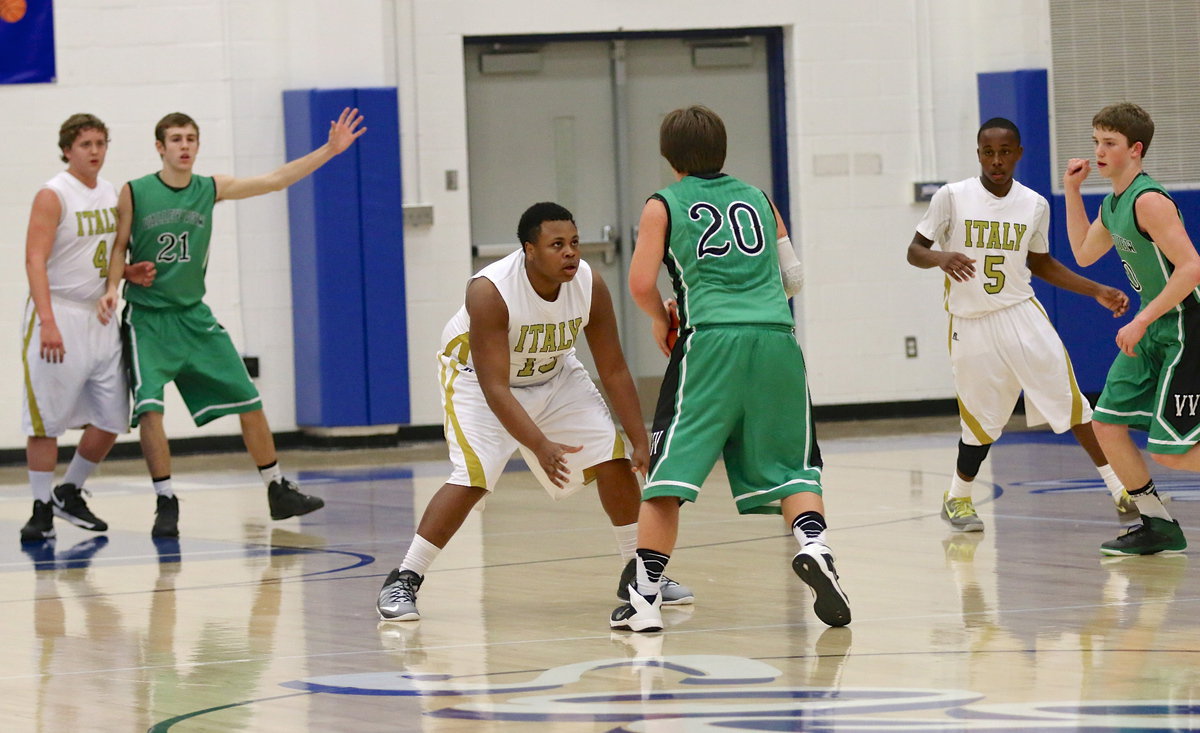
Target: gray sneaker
point(960, 513)
point(673, 594)
point(1127, 511)
point(398, 596)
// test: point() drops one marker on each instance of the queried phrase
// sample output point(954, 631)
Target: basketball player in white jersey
point(993, 234)
point(510, 380)
point(74, 376)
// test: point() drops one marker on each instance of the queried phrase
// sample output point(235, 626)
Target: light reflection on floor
point(248, 625)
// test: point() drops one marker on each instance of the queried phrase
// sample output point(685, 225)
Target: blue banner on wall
point(26, 41)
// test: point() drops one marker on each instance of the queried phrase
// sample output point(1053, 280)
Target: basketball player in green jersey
point(171, 334)
point(1154, 382)
point(736, 384)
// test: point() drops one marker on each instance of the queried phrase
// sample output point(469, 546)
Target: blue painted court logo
point(728, 693)
point(1182, 488)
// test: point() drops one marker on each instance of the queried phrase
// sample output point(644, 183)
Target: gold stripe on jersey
point(447, 377)
point(972, 423)
point(964, 414)
point(460, 343)
point(35, 413)
point(1076, 393)
point(618, 447)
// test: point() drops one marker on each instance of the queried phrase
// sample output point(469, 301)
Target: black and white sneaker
point(398, 596)
point(814, 565)
point(166, 517)
point(673, 593)
point(639, 614)
point(69, 504)
point(285, 500)
point(41, 525)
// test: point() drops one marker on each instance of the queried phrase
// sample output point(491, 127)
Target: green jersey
point(1145, 265)
point(171, 228)
point(721, 253)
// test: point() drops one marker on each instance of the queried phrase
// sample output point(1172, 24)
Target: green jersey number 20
point(743, 221)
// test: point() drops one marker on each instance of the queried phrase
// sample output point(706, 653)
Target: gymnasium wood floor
point(249, 625)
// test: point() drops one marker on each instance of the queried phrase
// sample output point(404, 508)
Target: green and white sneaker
point(1153, 536)
point(960, 513)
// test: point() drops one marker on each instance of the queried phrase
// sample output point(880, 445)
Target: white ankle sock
point(421, 554)
point(1111, 481)
point(626, 540)
point(79, 470)
point(960, 489)
point(40, 483)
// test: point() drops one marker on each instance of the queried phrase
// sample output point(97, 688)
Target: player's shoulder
point(1022, 192)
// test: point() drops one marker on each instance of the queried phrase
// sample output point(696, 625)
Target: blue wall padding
point(1022, 97)
point(383, 259)
point(1086, 328)
point(343, 312)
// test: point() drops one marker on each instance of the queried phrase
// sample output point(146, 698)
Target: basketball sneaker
point(41, 525)
point(1127, 511)
point(166, 517)
point(285, 500)
point(398, 596)
point(814, 565)
point(960, 513)
point(1153, 536)
point(638, 614)
point(673, 594)
point(69, 504)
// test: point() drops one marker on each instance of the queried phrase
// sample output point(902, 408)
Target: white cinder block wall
point(882, 88)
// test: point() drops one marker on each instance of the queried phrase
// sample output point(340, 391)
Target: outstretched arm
point(601, 333)
point(342, 135)
point(1059, 275)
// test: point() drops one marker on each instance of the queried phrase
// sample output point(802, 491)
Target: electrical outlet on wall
point(910, 347)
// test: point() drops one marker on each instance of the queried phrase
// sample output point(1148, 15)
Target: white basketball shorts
point(568, 409)
point(88, 387)
point(999, 355)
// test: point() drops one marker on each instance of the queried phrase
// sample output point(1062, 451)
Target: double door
point(576, 122)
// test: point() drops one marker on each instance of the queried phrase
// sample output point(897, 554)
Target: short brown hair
point(1128, 119)
point(693, 140)
point(75, 125)
point(175, 119)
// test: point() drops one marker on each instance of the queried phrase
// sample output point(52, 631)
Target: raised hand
point(1077, 172)
point(345, 130)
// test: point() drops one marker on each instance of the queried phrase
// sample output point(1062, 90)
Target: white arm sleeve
point(789, 267)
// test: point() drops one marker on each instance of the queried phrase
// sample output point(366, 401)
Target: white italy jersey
point(78, 264)
point(996, 232)
point(541, 334)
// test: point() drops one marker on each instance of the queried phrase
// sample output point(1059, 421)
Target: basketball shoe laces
point(402, 592)
point(73, 500)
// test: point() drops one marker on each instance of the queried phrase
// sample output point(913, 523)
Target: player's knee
point(970, 458)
